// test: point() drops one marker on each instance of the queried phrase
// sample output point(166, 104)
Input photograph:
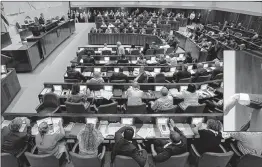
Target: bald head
point(175, 137)
point(118, 43)
point(164, 91)
point(135, 85)
point(96, 74)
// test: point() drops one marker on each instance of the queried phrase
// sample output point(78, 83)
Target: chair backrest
point(108, 109)
point(203, 78)
point(136, 109)
point(172, 110)
point(250, 160)
point(42, 160)
point(209, 159)
point(74, 107)
point(160, 51)
point(118, 81)
point(219, 76)
point(185, 80)
point(71, 80)
point(195, 108)
point(160, 78)
point(170, 50)
point(51, 100)
point(121, 161)
point(8, 160)
point(82, 160)
point(134, 52)
point(106, 52)
point(150, 52)
point(175, 161)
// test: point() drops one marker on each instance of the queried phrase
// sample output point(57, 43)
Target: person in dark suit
point(122, 60)
point(119, 75)
point(182, 74)
point(41, 19)
point(218, 70)
point(146, 47)
point(125, 146)
point(89, 59)
point(210, 137)
point(13, 141)
point(162, 150)
point(73, 74)
point(200, 72)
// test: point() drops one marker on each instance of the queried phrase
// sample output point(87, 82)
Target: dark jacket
point(14, 142)
point(164, 154)
point(216, 71)
point(208, 141)
point(41, 20)
point(200, 72)
point(90, 60)
point(76, 98)
point(119, 76)
point(72, 74)
point(122, 61)
point(124, 147)
point(142, 78)
point(181, 75)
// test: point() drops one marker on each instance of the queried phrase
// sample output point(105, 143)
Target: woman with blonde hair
point(89, 140)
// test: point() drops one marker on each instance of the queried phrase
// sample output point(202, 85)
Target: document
point(185, 128)
point(147, 130)
point(106, 94)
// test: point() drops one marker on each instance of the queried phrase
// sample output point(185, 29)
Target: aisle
point(51, 70)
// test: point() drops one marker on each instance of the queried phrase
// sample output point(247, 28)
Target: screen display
point(78, 69)
point(57, 87)
point(190, 67)
point(158, 88)
point(82, 87)
point(108, 88)
point(116, 69)
point(173, 69)
point(197, 120)
point(204, 87)
point(127, 121)
point(162, 120)
point(157, 70)
point(91, 121)
point(97, 69)
point(205, 65)
point(106, 58)
point(182, 88)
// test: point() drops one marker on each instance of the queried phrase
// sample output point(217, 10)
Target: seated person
point(124, 145)
point(172, 62)
point(77, 97)
point(149, 22)
point(165, 102)
point(162, 150)
point(200, 72)
point(122, 60)
point(134, 95)
point(190, 97)
point(51, 143)
point(13, 141)
point(165, 46)
point(125, 30)
point(182, 74)
point(141, 60)
point(133, 30)
point(73, 74)
point(96, 78)
point(105, 48)
point(210, 136)
point(162, 60)
point(89, 59)
point(218, 70)
point(93, 30)
point(103, 25)
point(110, 25)
point(142, 31)
point(116, 30)
point(108, 31)
point(248, 143)
point(154, 26)
point(154, 32)
point(142, 76)
point(90, 139)
point(119, 76)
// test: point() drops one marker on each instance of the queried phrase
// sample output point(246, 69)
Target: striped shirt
point(163, 103)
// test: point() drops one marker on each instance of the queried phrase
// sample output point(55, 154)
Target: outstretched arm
point(231, 102)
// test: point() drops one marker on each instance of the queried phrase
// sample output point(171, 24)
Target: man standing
point(120, 49)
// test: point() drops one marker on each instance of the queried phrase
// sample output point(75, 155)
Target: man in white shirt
point(134, 95)
point(105, 47)
point(250, 100)
point(120, 49)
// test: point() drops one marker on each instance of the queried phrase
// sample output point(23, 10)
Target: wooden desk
point(125, 39)
point(10, 86)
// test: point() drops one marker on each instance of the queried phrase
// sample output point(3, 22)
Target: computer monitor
point(205, 65)
point(190, 67)
point(136, 69)
point(197, 120)
point(204, 86)
point(91, 121)
point(3, 69)
point(82, 87)
point(181, 55)
point(57, 87)
point(108, 88)
point(161, 120)
point(97, 69)
point(172, 69)
point(182, 88)
point(106, 58)
point(116, 69)
point(78, 69)
point(153, 58)
point(158, 88)
point(157, 70)
point(127, 121)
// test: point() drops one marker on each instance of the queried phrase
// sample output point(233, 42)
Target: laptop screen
point(161, 120)
point(173, 69)
point(190, 67)
point(57, 87)
point(204, 87)
point(82, 87)
point(78, 69)
point(182, 88)
point(205, 65)
point(158, 88)
point(116, 69)
point(108, 88)
point(91, 121)
point(157, 70)
point(197, 120)
point(97, 69)
point(127, 121)
point(106, 58)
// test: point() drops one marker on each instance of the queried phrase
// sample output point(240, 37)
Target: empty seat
point(175, 161)
point(160, 51)
point(51, 104)
point(195, 108)
point(108, 109)
point(170, 50)
point(203, 78)
point(76, 107)
point(136, 109)
point(42, 160)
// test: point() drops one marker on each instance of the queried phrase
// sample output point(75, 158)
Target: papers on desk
point(133, 61)
point(146, 131)
point(52, 122)
point(46, 90)
point(69, 127)
point(192, 71)
point(205, 93)
point(106, 94)
point(185, 128)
